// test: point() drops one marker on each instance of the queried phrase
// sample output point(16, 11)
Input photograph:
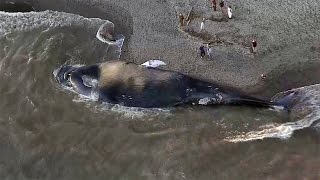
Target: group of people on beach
point(225, 9)
point(210, 49)
point(203, 50)
point(226, 13)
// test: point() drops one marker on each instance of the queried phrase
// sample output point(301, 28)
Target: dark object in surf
point(16, 7)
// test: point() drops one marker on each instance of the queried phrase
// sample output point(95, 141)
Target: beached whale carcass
point(133, 85)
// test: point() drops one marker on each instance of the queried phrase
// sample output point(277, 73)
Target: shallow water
point(50, 133)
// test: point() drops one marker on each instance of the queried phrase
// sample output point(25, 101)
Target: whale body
point(133, 85)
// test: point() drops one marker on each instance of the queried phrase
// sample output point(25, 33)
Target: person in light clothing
point(202, 25)
point(209, 50)
point(229, 12)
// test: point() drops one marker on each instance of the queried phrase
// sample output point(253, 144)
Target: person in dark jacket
point(221, 4)
point(181, 20)
point(214, 5)
point(254, 46)
point(202, 51)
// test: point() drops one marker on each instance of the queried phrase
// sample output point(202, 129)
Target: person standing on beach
point(181, 20)
point(214, 5)
point(221, 4)
point(209, 50)
point(202, 25)
point(202, 51)
point(229, 12)
point(254, 46)
point(224, 10)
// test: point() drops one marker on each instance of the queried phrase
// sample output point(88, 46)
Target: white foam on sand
point(105, 34)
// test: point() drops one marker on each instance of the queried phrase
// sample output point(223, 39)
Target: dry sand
point(287, 33)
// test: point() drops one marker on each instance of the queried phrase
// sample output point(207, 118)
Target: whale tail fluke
point(283, 99)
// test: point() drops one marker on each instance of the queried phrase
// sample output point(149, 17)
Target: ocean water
point(51, 133)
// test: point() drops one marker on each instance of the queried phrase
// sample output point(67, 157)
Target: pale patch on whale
point(208, 100)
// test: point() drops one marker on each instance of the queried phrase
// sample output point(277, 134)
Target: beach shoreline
point(152, 31)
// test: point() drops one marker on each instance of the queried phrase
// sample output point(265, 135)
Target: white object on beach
point(153, 63)
point(106, 35)
point(229, 12)
point(210, 52)
point(202, 26)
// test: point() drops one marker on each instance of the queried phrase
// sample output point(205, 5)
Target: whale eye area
point(66, 79)
point(67, 75)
